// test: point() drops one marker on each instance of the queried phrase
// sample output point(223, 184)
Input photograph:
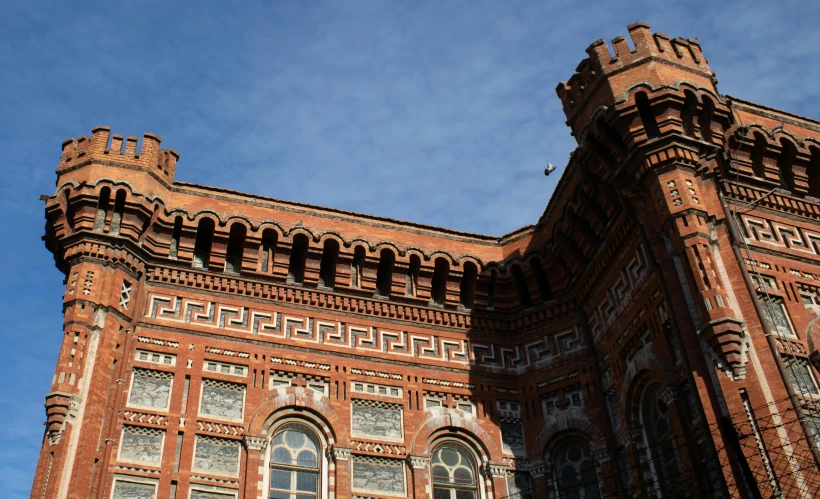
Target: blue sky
point(440, 112)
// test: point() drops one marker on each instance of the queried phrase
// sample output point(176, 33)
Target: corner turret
point(82, 150)
point(602, 79)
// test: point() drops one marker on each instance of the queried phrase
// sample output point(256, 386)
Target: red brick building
point(651, 335)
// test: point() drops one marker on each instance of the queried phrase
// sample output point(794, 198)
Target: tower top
point(103, 146)
point(603, 78)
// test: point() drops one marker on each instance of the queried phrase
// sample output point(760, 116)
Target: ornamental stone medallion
point(376, 419)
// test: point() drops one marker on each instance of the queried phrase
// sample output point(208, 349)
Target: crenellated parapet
point(599, 80)
point(103, 146)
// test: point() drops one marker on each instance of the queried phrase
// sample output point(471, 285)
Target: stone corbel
point(419, 462)
point(600, 453)
point(340, 453)
point(497, 470)
point(725, 336)
point(537, 469)
point(255, 443)
point(669, 394)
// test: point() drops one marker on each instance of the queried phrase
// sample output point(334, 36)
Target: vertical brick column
point(341, 476)
point(254, 460)
point(420, 466)
point(498, 475)
point(538, 474)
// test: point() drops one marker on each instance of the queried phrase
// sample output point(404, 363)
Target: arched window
point(119, 208)
point(705, 118)
point(267, 249)
point(298, 254)
point(575, 476)
point(236, 248)
point(327, 267)
point(690, 106)
point(202, 246)
point(814, 172)
point(544, 288)
point(295, 458)
point(384, 273)
point(454, 472)
point(650, 124)
point(102, 209)
point(522, 286)
point(438, 286)
point(467, 288)
point(356, 267)
point(758, 155)
point(175, 235)
point(69, 211)
point(491, 289)
point(413, 275)
point(659, 429)
point(785, 163)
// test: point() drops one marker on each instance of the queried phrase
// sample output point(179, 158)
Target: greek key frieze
point(364, 339)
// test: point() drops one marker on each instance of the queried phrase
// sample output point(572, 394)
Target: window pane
point(305, 482)
point(465, 494)
point(441, 494)
point(280, 495)
point(280, 479)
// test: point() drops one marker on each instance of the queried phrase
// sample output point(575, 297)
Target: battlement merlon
point(603, 78)
point(83, 150)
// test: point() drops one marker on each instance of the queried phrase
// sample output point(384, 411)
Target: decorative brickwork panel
point(222, 400)
point(141, 445)
point(377, 419)
point(216, 456)
point(133, 490)
point(378, 475)
point(150, 389)
point(512, 437)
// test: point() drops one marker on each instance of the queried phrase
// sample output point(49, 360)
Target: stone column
point(420, 466)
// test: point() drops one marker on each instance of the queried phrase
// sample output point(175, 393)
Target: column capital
point(340, 453)
point(418, 462)
point(255, 443)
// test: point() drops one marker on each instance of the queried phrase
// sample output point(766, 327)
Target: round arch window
point(454, 472)
point(294, 463)
point(575, 471)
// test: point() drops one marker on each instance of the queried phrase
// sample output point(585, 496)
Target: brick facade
point(615, 347)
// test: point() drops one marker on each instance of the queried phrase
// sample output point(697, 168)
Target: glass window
point(454, 472)
point(575, 471)
point(658, 422)
point(294, 472)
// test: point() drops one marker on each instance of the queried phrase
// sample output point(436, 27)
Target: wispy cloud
point(436, 112)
